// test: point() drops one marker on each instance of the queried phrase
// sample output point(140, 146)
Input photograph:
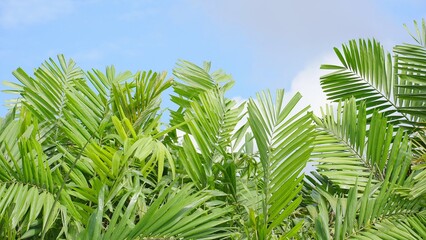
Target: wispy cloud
point(16, 13)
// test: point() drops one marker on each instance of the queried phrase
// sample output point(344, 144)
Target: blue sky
point(263, 44)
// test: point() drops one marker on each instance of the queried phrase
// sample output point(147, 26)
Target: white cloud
point(14, 13)
point(307, 82)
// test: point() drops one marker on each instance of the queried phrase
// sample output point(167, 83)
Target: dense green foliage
point(86, 154)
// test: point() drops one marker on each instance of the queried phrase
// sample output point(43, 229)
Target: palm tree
point(87, 155)
point(370, 150)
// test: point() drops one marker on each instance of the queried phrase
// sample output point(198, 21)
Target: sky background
point(263, 44)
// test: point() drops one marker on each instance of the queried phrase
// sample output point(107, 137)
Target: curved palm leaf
point(45, 95)
point(29, 182)
point(175, 214)
point(348, 153)
point(284, 143)
point(183, 215)
point(207, 154)
point(195, 80)
point(64, 102)
point(139, 101)
point(410, 64)
point(366, 217)
point(366, 73)
point(418, 189)
point(110, 163)
point(211, 122)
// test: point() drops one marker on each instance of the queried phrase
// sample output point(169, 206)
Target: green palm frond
point(85, 114)
point(139, 100)
point(185, 214)
point(104, 82)
point(175, 214)
point(418, 189)
point(11, 130)
point(410, 64)
point(367, 216)
point(109, 162)
point(419, 167)
point(88, 113)
point(368, 74)
point(29, 182)
point(363, 147)
point(27, 208)
point(249, 194)
point(44, 95)
point(365, 73)
point(197, 168)
point(194, 81)
point(420, 35)
point(207, 154)
point(59, 97)
point(4, 122)
point(284, 144)
point(211, 123)
point(120, 222)
point(348, 153)
point(409, 227)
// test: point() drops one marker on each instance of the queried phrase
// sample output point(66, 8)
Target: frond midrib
point(379, 93)
point(352, 150)
point(39, 187)
point(390, 217)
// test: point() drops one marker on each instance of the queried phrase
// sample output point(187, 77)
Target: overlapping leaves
point(410, 64)
point(29, 180)
point(284, 145)
point(379, 213)
point(348, 153)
